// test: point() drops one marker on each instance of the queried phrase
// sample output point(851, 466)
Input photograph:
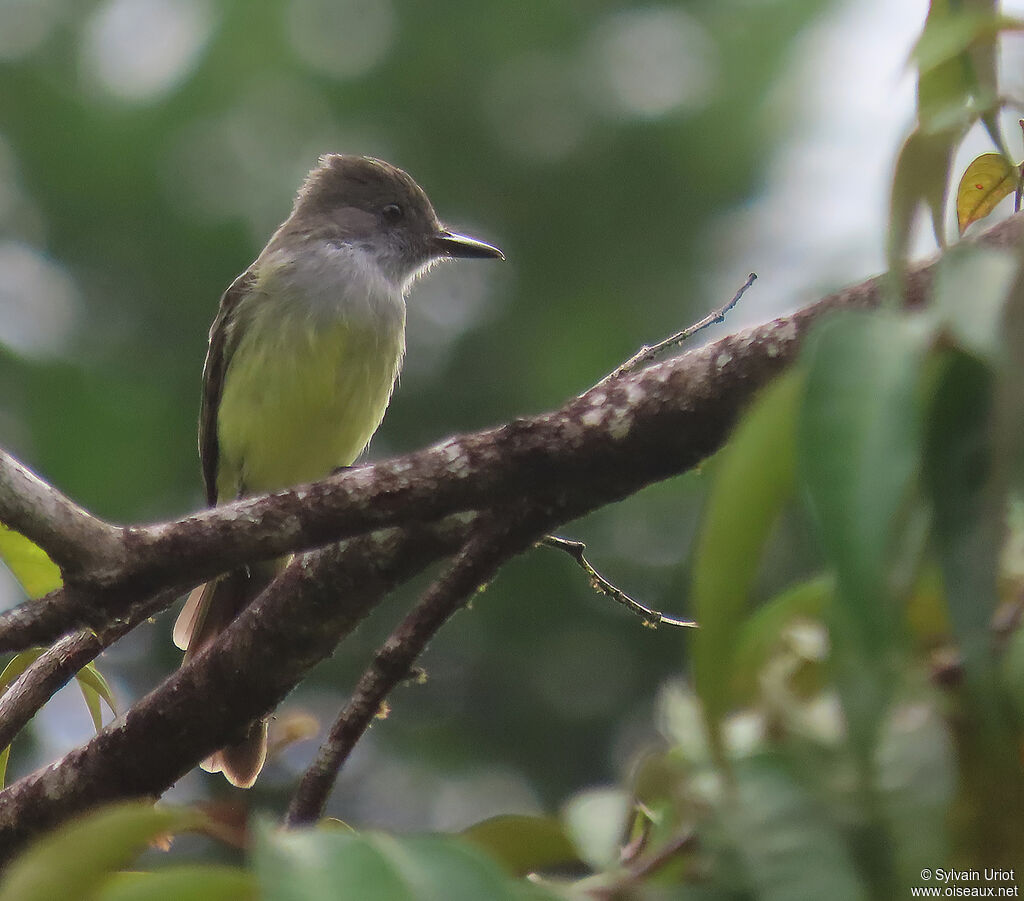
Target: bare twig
point(649, 352)
point(485, 551)
point(606, 889)
point(651, 618)
point(575, 549)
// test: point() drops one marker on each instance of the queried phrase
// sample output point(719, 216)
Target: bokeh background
point(635, 162)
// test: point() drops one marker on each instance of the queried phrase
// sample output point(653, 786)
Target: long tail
point(207, 612)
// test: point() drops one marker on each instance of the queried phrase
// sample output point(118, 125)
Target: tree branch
point(75, 539)
point(648, 353)
point(50, 672)
point(598, 448)
point(577, 550)
point(609, 442)
point(291, 626)
point(55, 667)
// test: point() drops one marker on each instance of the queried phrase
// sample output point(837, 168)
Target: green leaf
point(967, 518)
point(957, 86)
point(29, 564)
point(183, 883)
point(310, 865)
point(91, 676)
point(972, 284)
point(524, 844)
point(94, 687)
point(90, 681)
point(15, 667)
point(92, 703)
point(956, 70)
point(77, 859)
point(946, 38)
point(788, 848)
point(920, 179)
point(753, 480)
point(860, 440)
point(985, 182)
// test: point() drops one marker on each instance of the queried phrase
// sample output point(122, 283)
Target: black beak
point(449, 244)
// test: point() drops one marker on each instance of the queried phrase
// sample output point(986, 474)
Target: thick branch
point(607, 443)
point(596, 449)
point(294, 624)
point(75, 539)
point(601, 428)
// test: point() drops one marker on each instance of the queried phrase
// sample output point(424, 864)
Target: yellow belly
point(300, 401)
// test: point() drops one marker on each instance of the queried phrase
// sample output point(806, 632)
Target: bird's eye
point(392, 212)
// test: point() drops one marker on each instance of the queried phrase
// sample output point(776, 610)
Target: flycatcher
point(303, 357)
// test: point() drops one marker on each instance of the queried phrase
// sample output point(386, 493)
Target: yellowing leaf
point(985, 182)
point(28, 562)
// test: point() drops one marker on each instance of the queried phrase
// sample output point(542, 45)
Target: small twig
point(575, 549)
point(644, 868)
point(649, 352)
point(651, 618)
point(480, 558)
point(647, 866)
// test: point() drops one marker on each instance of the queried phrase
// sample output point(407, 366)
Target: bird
point(303, 357)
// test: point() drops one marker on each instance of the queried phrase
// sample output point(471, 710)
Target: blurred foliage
point(957, 86)
point(78, 859)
